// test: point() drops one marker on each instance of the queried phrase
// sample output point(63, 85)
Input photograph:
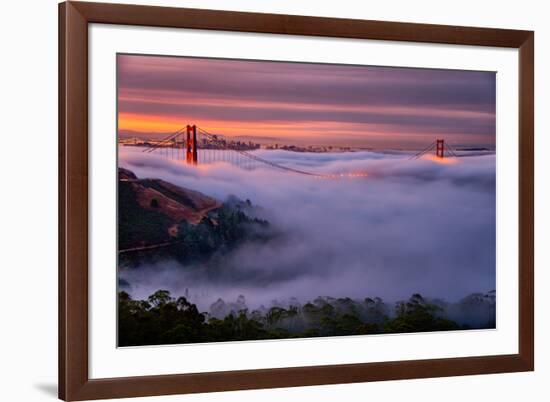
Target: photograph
point(263, 200)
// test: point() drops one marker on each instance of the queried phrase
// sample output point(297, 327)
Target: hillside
point(157, 219)
point(150, 210)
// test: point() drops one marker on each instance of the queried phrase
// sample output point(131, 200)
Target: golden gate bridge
point(186, 142)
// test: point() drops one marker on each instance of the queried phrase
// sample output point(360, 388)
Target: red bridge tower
point(191, 145)
point(440, 148)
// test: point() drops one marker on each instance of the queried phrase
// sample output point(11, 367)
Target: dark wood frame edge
point(74, 382)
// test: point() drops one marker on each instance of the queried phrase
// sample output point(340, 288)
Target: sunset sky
point(305, 104)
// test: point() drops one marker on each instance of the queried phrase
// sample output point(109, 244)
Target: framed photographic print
point(259, 200)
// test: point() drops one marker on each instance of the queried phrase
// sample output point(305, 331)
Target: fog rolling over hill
point(410, 227)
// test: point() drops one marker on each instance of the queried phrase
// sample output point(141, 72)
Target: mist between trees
point(163, 319)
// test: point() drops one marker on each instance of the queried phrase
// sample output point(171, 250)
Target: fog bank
point(409, 227)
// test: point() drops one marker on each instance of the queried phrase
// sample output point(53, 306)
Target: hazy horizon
point(305, 103)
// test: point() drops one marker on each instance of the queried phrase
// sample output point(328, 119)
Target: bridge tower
point(440, 148)
point(191, 145)
point(195, 146)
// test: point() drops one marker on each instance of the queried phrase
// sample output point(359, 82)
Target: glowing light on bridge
point(350, 175)
point(442, 161)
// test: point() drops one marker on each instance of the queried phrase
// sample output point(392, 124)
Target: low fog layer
point(409, 227)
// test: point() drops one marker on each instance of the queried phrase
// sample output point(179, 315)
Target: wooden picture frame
point(74, 381)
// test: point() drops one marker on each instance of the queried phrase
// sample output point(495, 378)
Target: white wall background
point(28, 200)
